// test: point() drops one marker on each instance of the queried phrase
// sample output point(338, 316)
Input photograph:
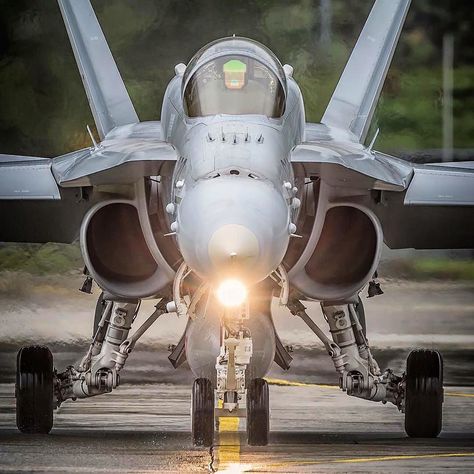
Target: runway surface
point(144, 426)
point(314, 429)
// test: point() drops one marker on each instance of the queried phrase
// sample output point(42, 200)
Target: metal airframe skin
point(169, 209)
point(224, 156)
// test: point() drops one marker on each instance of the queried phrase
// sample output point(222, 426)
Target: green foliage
point(408, 115)
point(444, 269)
point(40, 259)
point(428, 268)
point(57, 259)
point(44, 109)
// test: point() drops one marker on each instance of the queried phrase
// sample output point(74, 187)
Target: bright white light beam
point(231, 293)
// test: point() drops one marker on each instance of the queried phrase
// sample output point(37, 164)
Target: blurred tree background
point(44, 110)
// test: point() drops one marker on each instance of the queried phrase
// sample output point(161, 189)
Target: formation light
point(231, 293)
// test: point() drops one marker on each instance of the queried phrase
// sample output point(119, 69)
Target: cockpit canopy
point(234, 76)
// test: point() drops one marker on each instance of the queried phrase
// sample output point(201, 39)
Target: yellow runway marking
point(290, 383)
point(228, 449)
point(459, 394)
point(401, 457)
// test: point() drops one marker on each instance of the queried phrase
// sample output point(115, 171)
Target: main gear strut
point(98, 372)
point(359, 373)
point(232, 361)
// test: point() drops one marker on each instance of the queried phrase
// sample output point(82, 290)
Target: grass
point(40, 259)
point(28, 268)
point(429, 269)
point(23, 266)
point(444, 269)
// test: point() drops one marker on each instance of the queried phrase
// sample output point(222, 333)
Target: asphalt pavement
point(313, 429)
point(144, 426)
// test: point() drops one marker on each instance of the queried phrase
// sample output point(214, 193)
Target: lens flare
point(232, 293)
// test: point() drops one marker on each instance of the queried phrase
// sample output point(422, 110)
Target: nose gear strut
point(232, 361)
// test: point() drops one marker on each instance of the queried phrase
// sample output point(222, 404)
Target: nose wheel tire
point(424, 394)
point(258, 413)
point(34, 390)
point(203, 412)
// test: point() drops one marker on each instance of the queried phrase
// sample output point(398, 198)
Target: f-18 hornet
point(229, 202)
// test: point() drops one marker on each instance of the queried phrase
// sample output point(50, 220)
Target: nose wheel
point(34, 390)
point(203, 412)
point(424, 394)
point(258, 413)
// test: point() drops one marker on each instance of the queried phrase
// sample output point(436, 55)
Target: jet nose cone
point(233, 249)
point(233, 227)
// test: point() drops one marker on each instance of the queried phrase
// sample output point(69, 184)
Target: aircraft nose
point(233, 227)
point(233, 248)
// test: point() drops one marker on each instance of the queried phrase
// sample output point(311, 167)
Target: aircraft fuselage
point(233, 185)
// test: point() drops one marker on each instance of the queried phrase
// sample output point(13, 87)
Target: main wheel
point(258, 413)
point(424, 394)
point(34, 390)
point(203, 412)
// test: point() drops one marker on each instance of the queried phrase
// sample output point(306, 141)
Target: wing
point(353, 102)
point(435, 211)
point(108, 98)
point(27, 177)
point(126, 155)
point(343, 164)
point(44, 200)
point(33, 208)
point(418, 206)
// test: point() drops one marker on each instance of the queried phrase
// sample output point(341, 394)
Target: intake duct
point(345, 255)
point(116, 252)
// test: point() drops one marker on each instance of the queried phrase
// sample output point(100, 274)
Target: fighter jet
point(231, 201)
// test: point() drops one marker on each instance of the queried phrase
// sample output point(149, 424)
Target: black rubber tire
point(34, 390)
point(99, 311)
point(203, 413)
point(258, 413)
point(424, 394)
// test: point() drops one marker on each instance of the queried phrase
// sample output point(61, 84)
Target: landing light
point(232, 293)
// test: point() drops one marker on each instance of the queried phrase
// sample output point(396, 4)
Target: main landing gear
point(418, 393)
point(237, 392)
point(40, 389)
point(424, 394)
point(34, 390)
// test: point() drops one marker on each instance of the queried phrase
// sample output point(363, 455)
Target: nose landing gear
point(258, 413)
point(234, 386)
point(203, 412)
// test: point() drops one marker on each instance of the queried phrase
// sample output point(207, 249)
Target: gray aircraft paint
point(234, 195)
point(281, 154)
